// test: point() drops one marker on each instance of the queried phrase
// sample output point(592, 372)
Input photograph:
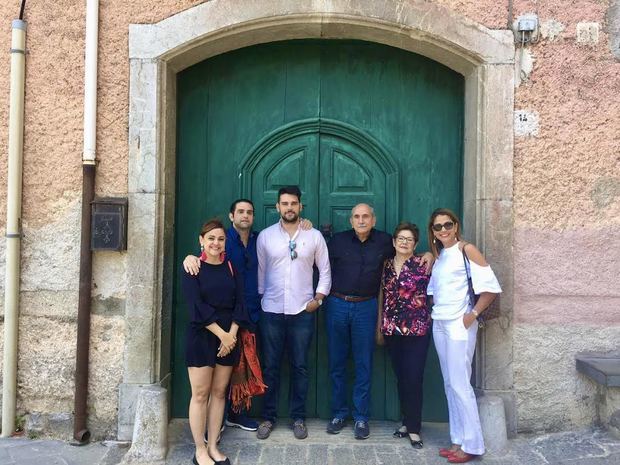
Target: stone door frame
point(157, 52)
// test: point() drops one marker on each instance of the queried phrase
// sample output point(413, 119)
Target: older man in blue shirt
point(356, 258)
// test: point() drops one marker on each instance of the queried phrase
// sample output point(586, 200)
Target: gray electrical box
point(527, 24)
point(108, 224)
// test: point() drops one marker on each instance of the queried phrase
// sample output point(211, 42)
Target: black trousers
point(408, 354)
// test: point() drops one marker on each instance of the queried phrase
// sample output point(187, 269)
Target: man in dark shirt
point(356, 257)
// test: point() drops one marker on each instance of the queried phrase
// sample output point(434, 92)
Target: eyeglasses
point(404, 239)
point(291, 246)
point(448, 225)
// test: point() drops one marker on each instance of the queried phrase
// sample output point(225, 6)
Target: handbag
point(491, 312)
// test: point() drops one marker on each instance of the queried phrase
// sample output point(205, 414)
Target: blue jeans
point(292, 333)
point(351, 326)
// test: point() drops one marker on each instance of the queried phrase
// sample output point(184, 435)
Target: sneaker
point(336, 425)
point(264, 429)
point(219, 437)
point(361, 430)
point(241, 421)
point(299, 429)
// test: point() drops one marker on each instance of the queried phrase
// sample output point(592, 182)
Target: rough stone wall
point(566, 200)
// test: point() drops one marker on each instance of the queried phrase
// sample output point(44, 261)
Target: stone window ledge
point(600, 367)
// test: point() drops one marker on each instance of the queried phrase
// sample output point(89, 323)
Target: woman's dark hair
point(405, 226)
point(433, 244)
point(213, 223)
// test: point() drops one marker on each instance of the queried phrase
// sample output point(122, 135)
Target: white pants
point(455, 347)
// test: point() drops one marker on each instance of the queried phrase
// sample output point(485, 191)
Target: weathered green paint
point(349, 122)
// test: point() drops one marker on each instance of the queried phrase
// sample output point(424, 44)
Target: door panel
point(292, 162)
point(385, 128)
point(349, 176)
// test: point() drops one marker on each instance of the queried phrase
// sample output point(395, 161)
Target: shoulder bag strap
point(472, 294)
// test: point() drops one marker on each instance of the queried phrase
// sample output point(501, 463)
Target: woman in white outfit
point(455, 327)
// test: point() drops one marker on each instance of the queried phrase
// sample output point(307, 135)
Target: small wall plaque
point(109, 224)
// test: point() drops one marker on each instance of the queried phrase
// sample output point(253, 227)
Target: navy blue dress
point(215, 295)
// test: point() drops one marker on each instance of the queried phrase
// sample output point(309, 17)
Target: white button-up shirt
point(286, 284)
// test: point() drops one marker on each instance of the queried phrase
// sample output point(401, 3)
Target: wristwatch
point(318, 301)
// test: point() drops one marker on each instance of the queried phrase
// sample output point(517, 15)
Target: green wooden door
point(348, 122)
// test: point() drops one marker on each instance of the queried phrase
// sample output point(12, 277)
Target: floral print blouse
point(405, 311)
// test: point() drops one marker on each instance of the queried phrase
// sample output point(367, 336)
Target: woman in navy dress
point(214, 299)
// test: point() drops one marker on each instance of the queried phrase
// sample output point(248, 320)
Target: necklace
point(398, 265)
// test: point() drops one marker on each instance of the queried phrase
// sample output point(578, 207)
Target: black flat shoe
point(221, 462)
point(416, 444)
point(400, 432)
point(226, 461)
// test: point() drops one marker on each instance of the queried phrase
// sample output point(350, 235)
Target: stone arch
point(157, 52)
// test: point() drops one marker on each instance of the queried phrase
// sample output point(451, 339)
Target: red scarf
point(247, 378)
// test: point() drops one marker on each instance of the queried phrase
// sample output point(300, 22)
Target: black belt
point(352, 298)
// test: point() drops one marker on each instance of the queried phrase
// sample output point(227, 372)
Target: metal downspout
point(80, 429)
point(13, 225)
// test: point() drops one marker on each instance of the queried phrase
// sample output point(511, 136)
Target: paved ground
point(586, 447)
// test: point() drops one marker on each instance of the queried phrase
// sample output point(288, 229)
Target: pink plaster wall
point(558, 175)
point(567, 178)
point(54, 101)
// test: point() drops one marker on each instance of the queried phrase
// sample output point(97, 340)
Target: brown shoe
point(264, 429)
point(299, 429)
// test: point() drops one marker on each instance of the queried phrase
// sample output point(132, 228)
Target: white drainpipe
point(13, 225)
point(90, 82)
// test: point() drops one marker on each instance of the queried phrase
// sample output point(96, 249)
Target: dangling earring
point(203, 255)
point(434, 241)
point(202, 248)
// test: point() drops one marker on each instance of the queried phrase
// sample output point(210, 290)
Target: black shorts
point(202, 346)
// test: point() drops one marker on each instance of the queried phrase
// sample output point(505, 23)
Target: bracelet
point(475, 313)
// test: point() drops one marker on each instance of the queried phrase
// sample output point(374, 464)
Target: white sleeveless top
point(448, 284)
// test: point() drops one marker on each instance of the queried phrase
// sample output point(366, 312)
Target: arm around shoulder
point(321, 259)
point(191, 265)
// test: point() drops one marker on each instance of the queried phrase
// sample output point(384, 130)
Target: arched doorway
point(158, 52)
point(348, 122)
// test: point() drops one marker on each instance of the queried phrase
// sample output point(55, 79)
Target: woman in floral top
point(404, 325)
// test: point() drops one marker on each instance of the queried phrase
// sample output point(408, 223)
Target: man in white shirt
point(286, 255)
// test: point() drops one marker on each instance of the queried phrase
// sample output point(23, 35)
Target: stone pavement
point(585, 447)
point(22, 451)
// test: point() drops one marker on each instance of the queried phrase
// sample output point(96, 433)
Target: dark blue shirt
point(357, 266)
point(246, 263)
